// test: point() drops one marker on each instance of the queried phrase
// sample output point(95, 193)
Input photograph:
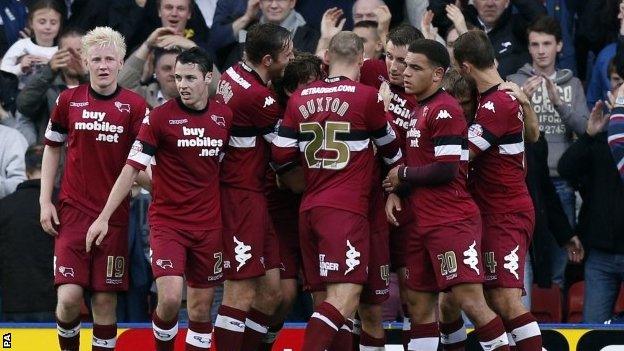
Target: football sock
point(453, 335)
point(104, 337)
point(425, 337)
point(525, 332)
point(198, 336)
point(492, 336)
point(68, 334)
point(369, 343)
point(164, 332)
point(256, 326)
point(322, 328)
point(229, 329)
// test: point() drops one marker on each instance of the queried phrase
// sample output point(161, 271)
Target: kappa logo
point(471, 257)
point(164, 264)
point(66, 271)
point(242, 253)
point(444, 114)
point(379, 97)
point(511, 262)
point(352, 258)
point(268, 101)
point(489, 106)
point(425, 110)
point(122, 107)
point(78, 104)
point(146, 120)
point(218, 120)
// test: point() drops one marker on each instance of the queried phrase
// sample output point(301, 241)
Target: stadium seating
point(575, 302)
point(546, 304)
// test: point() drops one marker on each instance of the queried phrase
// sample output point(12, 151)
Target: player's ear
point(267, 60)
point(208, 78)
point(326, 57)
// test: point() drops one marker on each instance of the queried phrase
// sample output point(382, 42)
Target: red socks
point(256, 326)
point(229, 329)
point(104, 337)
point(453, 335)
point(164, 332)
point(525, 332)
point(492, 336)
point(424, 337)
point(198, 336)
point(322, 328)
point(68, 334)
point(370, 343)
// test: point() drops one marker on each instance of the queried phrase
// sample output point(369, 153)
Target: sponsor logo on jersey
point(511, 262)
point(78, 104)
point(66, 271)
point(225, 90)
point(352, 258)
point(164, 264)
point(122, 107)
point(475, 130)
point(471, 257)
point(325, 266)
point(237, 78)
point(268, 101)
point(489, 106)
point(218, 120)
point(97, 115)
point(136, 148)
point(242, 253)
point(443, 114)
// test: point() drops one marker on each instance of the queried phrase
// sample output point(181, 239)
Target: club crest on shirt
point(218, 120)
point(122, 107)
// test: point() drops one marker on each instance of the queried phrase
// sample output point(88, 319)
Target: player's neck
point(105, 91)
point(199, 104)
point(430, 92)
point(486, 79)
point(350, 71)
point(262, 72)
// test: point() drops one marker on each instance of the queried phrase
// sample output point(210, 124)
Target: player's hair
point(45, 4)
point(460, 86)
point(33, 158)
point(298, 71)
point(266, 39)
point(104, 36)
point(404, 35)
point(436, 53)
point(160, 52)
point(548, 25)
point(197, 56)
point(475, 48)
point(346, 47)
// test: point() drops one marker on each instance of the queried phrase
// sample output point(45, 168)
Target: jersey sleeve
point(266, 114)
point(490, 124)
point(285, 146)
point(146, 143)
point(381, 131)
point(447, 125)
point(58, 125)
point(139, 113)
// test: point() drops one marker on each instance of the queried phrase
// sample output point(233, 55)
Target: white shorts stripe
point(242, 142)
point(479, 142)
point(423, 344)
point(526, 331)
point(105, 343)
point(448, 150)
point(225, 322)
point(164, 335)
point(511, 149)
point(325, 320)
point(55, 136)
point(140, 157)
point(454, 337)
point(281, 141)
point(202, 341)
point(256, 326)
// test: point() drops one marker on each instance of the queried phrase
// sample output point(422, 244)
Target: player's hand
point(575, 249)
point(96, 233)
point(332, 22)
point(386, 94)
point(49, 218)
point(530, 86)
point(393, 203)
point(597, 119)
point(457, 17)
point(514, 90)
point(428, 30)
point(392, 180)
point(553, 93)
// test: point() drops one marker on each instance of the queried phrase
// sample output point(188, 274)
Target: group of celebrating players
point(342, 168)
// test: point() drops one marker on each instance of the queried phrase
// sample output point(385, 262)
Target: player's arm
point(382, 133)
point(489, 125)
point(531, 124)
point(285, 152)
point(144, 179)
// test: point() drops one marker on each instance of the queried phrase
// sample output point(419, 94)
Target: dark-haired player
point(251, 251)
point(98, 122)
point(497, 183)
point(443, 245)
point(184, 139)
point(330, 124)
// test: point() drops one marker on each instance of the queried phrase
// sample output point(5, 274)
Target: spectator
point(313, 10)
point(64, 70)
point(13, 16)
point(163, 87)
point(27, 54)
point(560, 10)
point(207, 8)
point(616, 124)
point(588, 165)
point(373, 10)
point(231, 17)
point(282, 13)
point(373, 46)
point(26, 252)
point(12, 169)
point(505, 29)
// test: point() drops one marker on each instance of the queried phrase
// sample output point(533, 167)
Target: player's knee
point(104, 304)
point(199, 311)
point(169, 300)
point(271, 297)
point(503, 303)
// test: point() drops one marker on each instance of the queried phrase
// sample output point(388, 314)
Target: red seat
point(546, 304)
point(575, 302)
point(619, 303)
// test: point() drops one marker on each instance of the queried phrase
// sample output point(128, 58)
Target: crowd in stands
point(567, 56)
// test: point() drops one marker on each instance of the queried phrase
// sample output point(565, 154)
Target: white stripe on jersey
point(465, 155)
point(448, 150)
point(55, 136)
point(281, 141)
point(140, 157)
point(386, 139)
point(479, 142)
point(354, 145)
point(242, 142)
point(269, 137)
point(396, 157)
point(511, 149)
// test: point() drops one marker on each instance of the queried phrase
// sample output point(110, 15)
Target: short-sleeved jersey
point(187, 147)
point(256, 112)
point(497, 174)
point(331, 123)
point(373, 72)
point(438, 134)
point(99, 131)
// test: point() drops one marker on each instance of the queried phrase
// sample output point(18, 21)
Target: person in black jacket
point(26, 253)
point(588, 165)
